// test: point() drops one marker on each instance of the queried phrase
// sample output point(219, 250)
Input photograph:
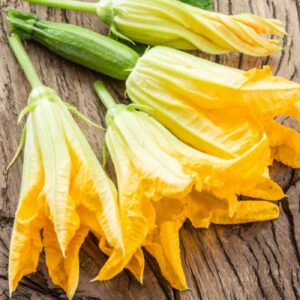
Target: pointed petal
point(63, 270)
point(134, 230)
point(165, 249)
point(135, 265)
point(134, 224)
point(28, 219)
point(266, 189)
point(89, 182)
point(57, 169)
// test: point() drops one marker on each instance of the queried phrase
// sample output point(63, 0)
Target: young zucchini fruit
point(77, 44)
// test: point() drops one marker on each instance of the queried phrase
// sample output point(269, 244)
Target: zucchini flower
point(158, 175)
point(175, 24)
point(65, 193)
point(214, 107)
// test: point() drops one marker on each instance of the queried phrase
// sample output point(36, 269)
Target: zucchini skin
point(80, 45)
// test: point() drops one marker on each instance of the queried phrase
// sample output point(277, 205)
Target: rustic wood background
point(254, 261)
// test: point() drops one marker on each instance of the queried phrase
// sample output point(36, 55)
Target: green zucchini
point(77, 44)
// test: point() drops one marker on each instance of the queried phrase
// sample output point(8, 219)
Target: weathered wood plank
point(255, 261)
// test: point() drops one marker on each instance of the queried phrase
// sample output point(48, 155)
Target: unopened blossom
point(175, 24)
point(65, 193)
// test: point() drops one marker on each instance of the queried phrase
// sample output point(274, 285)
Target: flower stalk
point(70, 4)
point(24, 61)
point(104, 94)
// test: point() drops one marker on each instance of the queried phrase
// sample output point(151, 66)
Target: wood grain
point(254, 261)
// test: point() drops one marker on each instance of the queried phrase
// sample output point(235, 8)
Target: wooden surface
point(254, 261)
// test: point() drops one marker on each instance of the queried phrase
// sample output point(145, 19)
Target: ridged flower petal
point(29, 219)
point(160, 173)
point(134, 223)
point(57, 171)
point(238, 174)
point(89, 182)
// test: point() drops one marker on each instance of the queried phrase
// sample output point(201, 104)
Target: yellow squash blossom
point(160, 179)
point(179, 25)
point(65, 193)
point(176, 24)
point(215, 108)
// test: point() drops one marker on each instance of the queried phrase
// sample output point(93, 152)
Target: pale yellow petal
point(57, 170)
point(161, 174)
point(261, 25)
point(134, 224)
point(192, 80)
point(172, 23)
point(90, 185)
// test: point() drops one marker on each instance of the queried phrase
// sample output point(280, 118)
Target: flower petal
point(161, 174)
point(237, 174)
point(164, 247)
point(28, 218)
point(266, 189)
point(285, 143)
point(63, 270)
point(57, 169)
point(208, 85)
point(89, 182)
point(248, 211)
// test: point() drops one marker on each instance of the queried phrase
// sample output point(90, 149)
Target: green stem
point(67, 4)
point(24, 61)
point(104, 95)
